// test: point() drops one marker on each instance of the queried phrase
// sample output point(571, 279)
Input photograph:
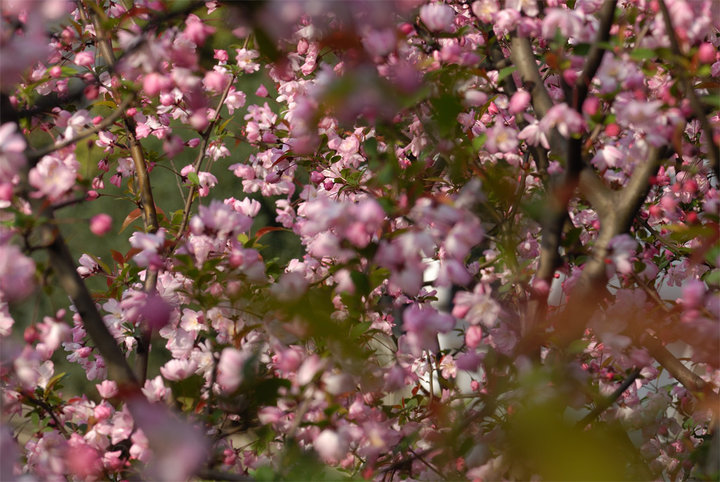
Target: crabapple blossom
point(388, 240)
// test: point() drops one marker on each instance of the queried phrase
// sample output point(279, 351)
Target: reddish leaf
point(117, 256)
point(134, 214)
point(262, 232)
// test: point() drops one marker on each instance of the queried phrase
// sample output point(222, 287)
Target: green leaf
point(193, 178)
point(505, 72)
point(361, 282)
point(359, 329)
point(447, 107)
point(713, 100)
point(642, 54)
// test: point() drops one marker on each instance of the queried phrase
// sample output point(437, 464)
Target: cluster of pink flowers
point(393, 229)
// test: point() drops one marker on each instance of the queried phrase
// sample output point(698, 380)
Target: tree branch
point(147, 203)
point(605, 403)
point(34, 156)
point(64, 267)
point(199, 159)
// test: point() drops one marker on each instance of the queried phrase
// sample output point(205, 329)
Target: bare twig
point(34, 156)
point(604, 404)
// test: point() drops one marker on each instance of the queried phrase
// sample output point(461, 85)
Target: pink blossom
point(12, 148)
point(568, 22)
point(155, 390)
point(220, 220)
point(485, 10)
point(234, 100)
point(107, 389)
point(216, 81)
point(379, 42)
point(477, 307)
point(149, 245)
point(84, 58)
point(175, 370)
point(622, 250)
point(231, 369)
point(100, 224)
point(473, 336)
point(528, 6)
point(83, 460)
point(423, 323)
point(437, 17)
point(565, 119)
point(505, 21)
point(52, 178)
point(519, 101)
point(178, 448)
point(501, 139)
point(331, 446)
point(246, 60)
point(534, 135)
point(155, 83)
point(17, 273)
point(196, 30)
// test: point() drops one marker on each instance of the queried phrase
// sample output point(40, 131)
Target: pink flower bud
point(473, 336)
point(221, 55)
point(100, 224)
point(131, 111)
point(591, 106)
point(55, 71)
point(6, 191)
point(91, 92)
point(261, 91)
point(707, 53)
point(97, 120)
point(519, 101)
point(84, 59)
point(316, 177)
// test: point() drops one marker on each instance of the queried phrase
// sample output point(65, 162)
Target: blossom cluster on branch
point(507, 213)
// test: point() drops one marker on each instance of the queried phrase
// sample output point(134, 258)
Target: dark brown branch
point(64, 267)
point(692, 382)
point(523, 58)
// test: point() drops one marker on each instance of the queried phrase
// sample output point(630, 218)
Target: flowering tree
point(508, 214)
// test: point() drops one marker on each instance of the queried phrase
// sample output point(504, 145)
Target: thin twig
point(199, 159)
point(34, 156)
point(604, 404)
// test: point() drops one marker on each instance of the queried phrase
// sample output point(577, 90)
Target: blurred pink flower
point(17, 274)
point(100, 224)
point(437, 17)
